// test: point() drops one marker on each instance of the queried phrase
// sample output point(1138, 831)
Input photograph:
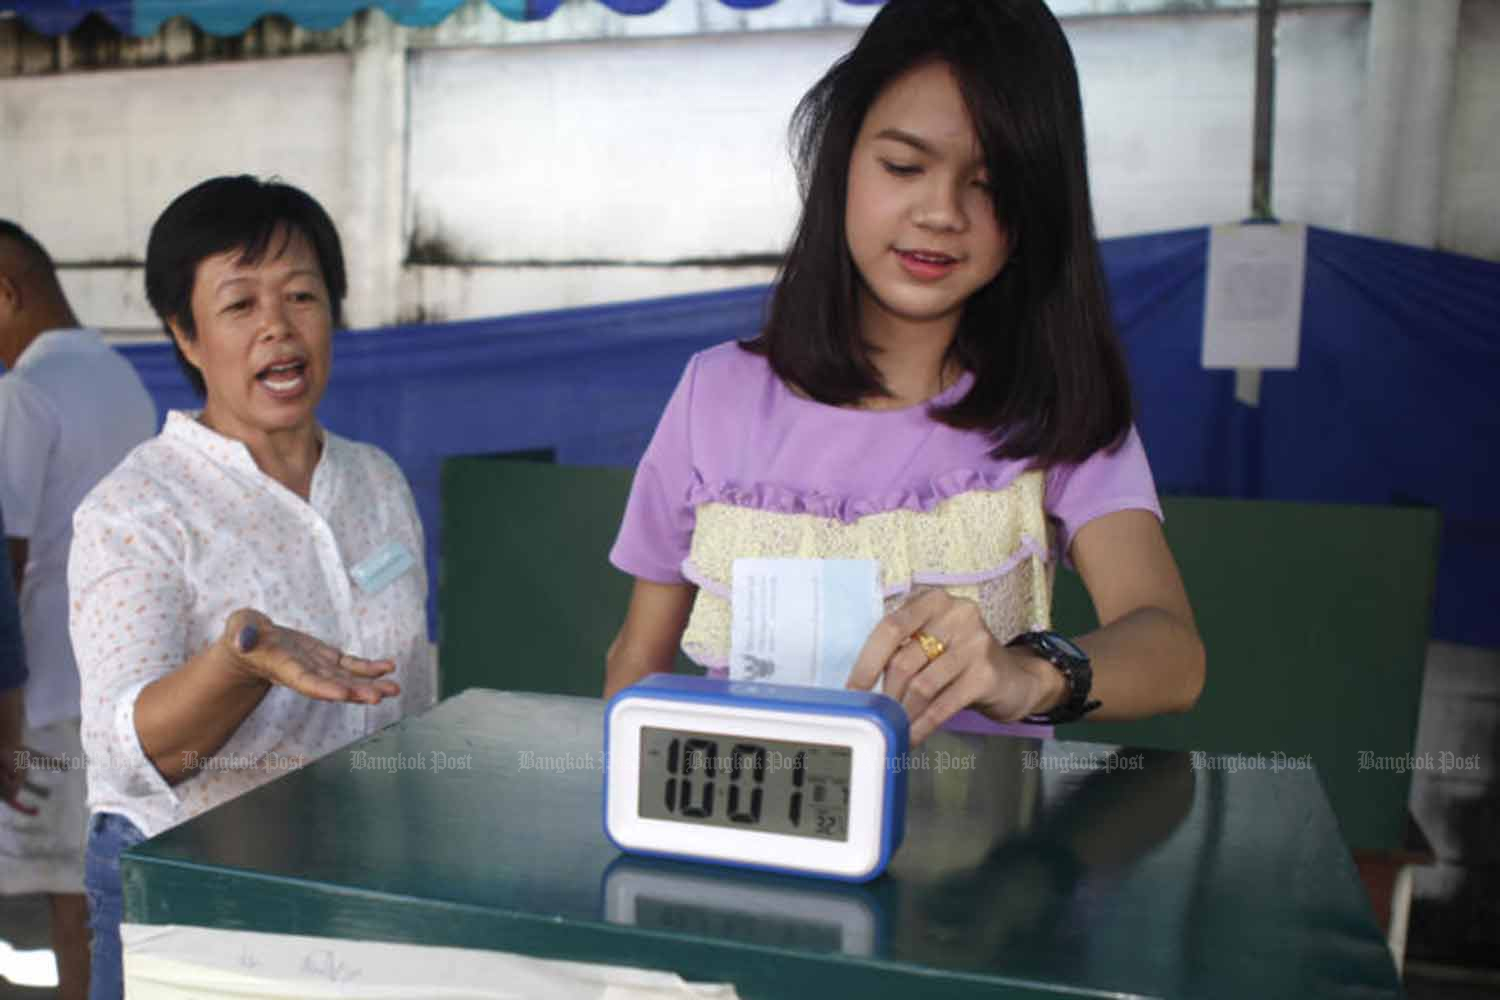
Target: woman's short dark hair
point(1049, 379)
point(232, 213)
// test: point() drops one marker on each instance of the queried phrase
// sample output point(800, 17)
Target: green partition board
point(525, 573)
point(1315, 618)
point(1028, 870)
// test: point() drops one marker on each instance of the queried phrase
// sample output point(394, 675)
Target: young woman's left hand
point(973, 669)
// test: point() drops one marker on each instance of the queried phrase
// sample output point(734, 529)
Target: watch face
point(1064, 646)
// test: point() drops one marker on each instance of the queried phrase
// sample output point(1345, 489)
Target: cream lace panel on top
point(989, 546)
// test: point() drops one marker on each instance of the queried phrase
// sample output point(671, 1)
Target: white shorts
point(44, 853)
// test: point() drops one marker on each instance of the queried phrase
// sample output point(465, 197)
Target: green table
point(1029, 869)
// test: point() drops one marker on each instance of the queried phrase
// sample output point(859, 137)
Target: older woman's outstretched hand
point(265, 651)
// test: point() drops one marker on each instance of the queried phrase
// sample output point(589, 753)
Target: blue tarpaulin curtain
point(1396, 399)
point(233, 17)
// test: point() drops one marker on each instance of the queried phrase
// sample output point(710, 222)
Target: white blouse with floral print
point(186, 530)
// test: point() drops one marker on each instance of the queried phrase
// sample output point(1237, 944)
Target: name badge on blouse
point(376, 571)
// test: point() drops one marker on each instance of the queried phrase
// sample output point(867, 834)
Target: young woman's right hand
point(971, 669)
point(266, 653)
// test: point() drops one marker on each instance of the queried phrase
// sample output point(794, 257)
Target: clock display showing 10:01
point(774, 786)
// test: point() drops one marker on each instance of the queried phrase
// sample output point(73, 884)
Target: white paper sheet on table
point(172, 962)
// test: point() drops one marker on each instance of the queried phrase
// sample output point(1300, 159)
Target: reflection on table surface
point(1043, 867)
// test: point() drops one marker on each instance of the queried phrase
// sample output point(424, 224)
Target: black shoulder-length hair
point(232, 213)
point(1050, 383)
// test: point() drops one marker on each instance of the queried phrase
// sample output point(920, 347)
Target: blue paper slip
point(801, 621)
point(375, 572)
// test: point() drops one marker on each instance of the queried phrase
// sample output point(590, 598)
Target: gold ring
point(931, 645)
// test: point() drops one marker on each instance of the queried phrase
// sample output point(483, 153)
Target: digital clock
point(782, 778)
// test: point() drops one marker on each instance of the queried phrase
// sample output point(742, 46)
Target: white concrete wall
point(638, 153)
point(1470, 211)
point(564, 173)
point(431, 293)
point(653, 151)
point(91, 159)
point(1169, 103)
point(1407, 113)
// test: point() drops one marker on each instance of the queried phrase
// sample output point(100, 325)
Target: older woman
point(247, 587)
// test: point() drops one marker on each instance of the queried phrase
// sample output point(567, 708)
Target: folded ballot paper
point(801, 621)
point(173, 962)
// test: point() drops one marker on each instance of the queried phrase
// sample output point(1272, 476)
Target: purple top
point(734, 433)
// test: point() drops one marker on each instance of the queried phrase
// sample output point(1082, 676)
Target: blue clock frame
point(886, 713)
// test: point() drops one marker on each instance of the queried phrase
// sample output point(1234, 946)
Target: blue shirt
point(12, 649)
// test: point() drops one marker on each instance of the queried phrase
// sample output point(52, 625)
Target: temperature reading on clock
point(766, 785)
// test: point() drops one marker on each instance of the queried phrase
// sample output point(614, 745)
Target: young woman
point(938, 386)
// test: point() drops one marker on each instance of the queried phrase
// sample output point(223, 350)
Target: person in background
point(12, 685)
point(70, 409)
point(248, 587)
point(938, 386)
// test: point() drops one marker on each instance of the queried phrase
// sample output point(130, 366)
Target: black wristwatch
point(1078, 675)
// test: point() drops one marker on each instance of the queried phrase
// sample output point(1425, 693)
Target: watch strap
point(1078, 676)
